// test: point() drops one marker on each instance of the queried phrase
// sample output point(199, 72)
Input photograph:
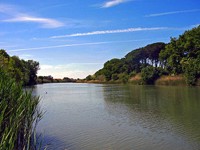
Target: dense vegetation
point(19, 112)
point(19, 115)
point(180, 56)
point(50, 79)
point(19, 69)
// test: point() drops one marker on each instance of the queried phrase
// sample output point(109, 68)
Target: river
point(119, 117)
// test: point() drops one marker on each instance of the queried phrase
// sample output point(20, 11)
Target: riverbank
point(171, 80)
point(165, 80)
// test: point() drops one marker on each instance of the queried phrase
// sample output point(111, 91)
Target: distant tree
point(89, 77)
point(33, 67)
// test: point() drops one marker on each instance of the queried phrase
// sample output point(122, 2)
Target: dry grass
point(171, 80)
point(137, 79)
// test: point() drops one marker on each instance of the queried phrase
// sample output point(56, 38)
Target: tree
point(191, 69)
point(89, 77)
point(33, 67)
point(149, 74)
point(180, 56)
point(20, 70)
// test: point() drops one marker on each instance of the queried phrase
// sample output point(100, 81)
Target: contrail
point(110, 32)
point(72, 45)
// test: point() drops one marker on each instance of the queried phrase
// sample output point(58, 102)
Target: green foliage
point(21, 70)
point(187, 46)
point(89, 78)
point(149, 74)
point(123, 77)
point(19, 115)
point(180, 56)
point(191, 69)
point(114, 66)
point(115, 77)
point(133, 73)
point(100, 78)
point(33, 67)
point(122, 69)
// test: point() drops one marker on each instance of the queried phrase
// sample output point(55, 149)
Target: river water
point(119, 117)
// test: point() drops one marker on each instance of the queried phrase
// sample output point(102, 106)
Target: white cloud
point(172, 12)
point(110, 32)
point(112, 3)
point(25, 56)
point(69, 70)
point(45, 22)
point(45, 67)
point(16, 16)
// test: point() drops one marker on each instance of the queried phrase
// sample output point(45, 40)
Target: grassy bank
point(171, 80)
point(178, 80)
point(19, 115)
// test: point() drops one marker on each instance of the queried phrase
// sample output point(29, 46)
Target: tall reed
point(19, 115)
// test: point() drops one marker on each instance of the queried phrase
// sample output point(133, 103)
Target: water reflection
point(96, 116)
point(161, 110)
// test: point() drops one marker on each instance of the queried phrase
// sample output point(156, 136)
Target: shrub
point(191, 69)
point(123, 77)
point(149, 74)
point(89, 77)
point(115, 77)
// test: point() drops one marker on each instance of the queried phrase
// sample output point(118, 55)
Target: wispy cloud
point(112, 3)
point(110, 32)
point(45, 22)
point(172, 12)
point(17, 16)
point(71, 45)
point(26, 56)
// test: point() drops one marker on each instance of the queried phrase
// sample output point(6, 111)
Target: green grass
point(19, 115)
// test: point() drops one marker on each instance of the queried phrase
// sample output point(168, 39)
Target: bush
point(19, 115)
point(191, 69)
point(133, 73)
point(123, 77)
point(89, 78)
point(149, 74)
point(115, 77)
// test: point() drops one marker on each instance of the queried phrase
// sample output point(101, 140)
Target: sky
point(75, 38)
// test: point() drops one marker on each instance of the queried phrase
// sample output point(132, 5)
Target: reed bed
point(19, 116)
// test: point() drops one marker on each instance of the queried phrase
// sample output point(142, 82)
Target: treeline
point(22, 71)
point(50, 79)
point(180, 56)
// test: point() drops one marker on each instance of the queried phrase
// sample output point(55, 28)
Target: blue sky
point(75, 38)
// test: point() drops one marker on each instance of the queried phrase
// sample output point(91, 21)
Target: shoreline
point(178, 80)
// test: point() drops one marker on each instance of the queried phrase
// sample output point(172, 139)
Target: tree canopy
point(180, 56)
point(19, 69)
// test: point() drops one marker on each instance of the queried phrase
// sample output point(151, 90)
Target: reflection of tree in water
point(158, 109)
